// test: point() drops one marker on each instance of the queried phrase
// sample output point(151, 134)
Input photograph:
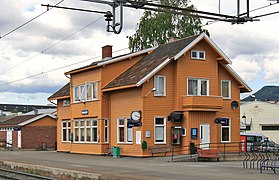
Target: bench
point(208, 153)
point(160, 150)
point(270, 163)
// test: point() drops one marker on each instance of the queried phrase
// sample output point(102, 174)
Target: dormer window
point(200, 55)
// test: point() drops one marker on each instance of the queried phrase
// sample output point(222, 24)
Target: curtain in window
point(129, 134)
point(203, 87)
point(95, 90)
point(159, 134)
point(225, 89)
point(88, 91)
point(192, 87)
point(159, 84)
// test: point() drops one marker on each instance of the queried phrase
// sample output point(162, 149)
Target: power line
point(62, 67)
point(51, 46)
point(1, 37)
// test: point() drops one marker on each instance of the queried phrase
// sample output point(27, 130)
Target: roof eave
point(153, 72)
point(198, 39)
point(113, 60)
point(57, 98)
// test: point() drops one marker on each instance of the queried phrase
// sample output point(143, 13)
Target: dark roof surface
point(17, 120)
point(64, 91)
point(149, 62)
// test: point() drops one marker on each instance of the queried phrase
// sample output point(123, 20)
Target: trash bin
point(116, 152)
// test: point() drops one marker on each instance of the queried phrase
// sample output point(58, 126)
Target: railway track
point(17, 175)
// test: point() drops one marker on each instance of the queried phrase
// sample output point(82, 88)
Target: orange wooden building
point(176, 93)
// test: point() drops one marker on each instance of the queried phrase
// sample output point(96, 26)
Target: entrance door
point(204, 136)
point(19, 139)
point(9, 138)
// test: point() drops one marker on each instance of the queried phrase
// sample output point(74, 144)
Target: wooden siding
point(201, 103)
point(63, 113)
point(122, 104)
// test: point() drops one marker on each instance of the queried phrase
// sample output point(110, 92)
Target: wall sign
point(132, 123)
point(84, 112)
point(194, 133)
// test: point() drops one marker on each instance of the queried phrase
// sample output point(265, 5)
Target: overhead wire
point(48, 48)
point(27, 22)
point(55, 69)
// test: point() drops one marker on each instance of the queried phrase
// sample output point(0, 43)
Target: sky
point(34, 57)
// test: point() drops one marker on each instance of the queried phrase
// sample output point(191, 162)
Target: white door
point(9, 138)
point(19, 139)
point(204, 136)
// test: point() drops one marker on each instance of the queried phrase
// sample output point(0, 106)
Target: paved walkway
point(107, 167)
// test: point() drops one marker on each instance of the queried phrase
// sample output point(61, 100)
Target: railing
point(240, 148)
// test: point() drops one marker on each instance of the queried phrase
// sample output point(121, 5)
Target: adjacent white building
point(260, 117)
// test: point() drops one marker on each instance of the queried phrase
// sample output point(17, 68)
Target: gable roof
point(24, 120)
point(152, 62)
point(64, 92)
point(106, 61)
point(159, 58)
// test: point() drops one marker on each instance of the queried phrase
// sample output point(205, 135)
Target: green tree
point(157, 28)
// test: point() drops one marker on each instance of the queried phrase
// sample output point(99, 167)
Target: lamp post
point(244, 119)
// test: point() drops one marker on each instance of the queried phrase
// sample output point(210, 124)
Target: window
point(66, 102)
point(129, 134)
point(70, 138)
point(226, 89)
point(86, 92)
point(76, 131)
point(82, 131)
point(88, 130)
point(226, 132)
point(270, 128)
point(198, 87)
point(94, 131)
point(120, 130)
point(160, 85)
point(106, 131)
point(95, 90)
point(160, 130)
point(198, 55)
point(76, 94)
point(64, 131)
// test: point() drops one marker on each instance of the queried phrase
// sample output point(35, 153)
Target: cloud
point(248, 68)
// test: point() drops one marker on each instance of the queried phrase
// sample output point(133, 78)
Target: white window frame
point(66, 131)
point(76, 94)
point(95, 90)
point(199, 86)
point(80, 128)
point(76, 127)
point(160, 125)
point(120, 126)
point(157, 83)
point(184, 131)
point(85, 92)
point(223, 127)
point(129, 134)
point(229, 88)
point(198, 53)
point(94, 127)
point(88, 126)
point(106, 131)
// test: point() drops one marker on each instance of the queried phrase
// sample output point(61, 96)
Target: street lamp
point(244, 120)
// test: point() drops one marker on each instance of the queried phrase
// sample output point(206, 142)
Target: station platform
point(79, 166)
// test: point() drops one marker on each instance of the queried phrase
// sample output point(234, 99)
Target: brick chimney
point(106, 51)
